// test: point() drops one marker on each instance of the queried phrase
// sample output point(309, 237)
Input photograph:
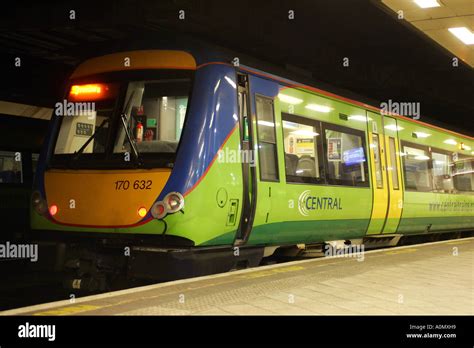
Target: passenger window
point(10, 167)
point(302, 149)
point(442, 173)
point(346, 158)
point(417, 169)
point(393, 163)
point(267, 150)
point(378, 166)
point(463, 174)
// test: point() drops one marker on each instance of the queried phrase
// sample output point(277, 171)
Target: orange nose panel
point(103, 198)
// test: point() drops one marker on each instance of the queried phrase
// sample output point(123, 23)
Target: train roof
point(205, 53)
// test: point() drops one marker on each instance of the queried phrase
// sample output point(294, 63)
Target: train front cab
point(134, 184)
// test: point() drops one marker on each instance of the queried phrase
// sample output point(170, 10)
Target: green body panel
point(438, 224)
point(441, 211)
point(294, 232)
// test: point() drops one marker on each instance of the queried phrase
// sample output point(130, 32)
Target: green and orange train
point(176, 162)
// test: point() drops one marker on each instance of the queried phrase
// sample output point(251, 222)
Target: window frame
point(379, 162)
point(351, 131)
point(275, 144)
point(395, 171)
point(319, 150)
point(108, 159)
point(425, 148)
point(440, 152)
point(463, 192)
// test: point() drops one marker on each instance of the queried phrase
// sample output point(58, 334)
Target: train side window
point(416, 166)
point(463, 174)
point(302, 146)
point(393, 163)
point(378, 166)
point(346, 159)
point(442, 172)
point(267, 149)
point(11, 171)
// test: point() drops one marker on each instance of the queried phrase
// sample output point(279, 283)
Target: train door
point(261, 176)
point(378, 168)
point(393, 166)
point(248, 168)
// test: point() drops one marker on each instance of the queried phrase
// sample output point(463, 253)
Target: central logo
point(302, 207)
point(307, 202)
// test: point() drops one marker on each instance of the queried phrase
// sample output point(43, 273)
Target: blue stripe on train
point(212, 115)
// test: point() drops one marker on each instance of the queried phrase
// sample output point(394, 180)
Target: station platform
point(433, 279)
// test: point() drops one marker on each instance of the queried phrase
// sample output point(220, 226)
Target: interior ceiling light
point(427, 3)
point(450, 142)
point(463, 34)
point(319, 108)
point(305, 132)
point(360, 118)
point(422, 134)
point(289, 99)
point(394, 127)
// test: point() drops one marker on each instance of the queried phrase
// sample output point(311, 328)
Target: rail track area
point(432, 278)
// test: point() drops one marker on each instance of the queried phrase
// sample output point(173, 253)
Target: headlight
point(158, 210)
point(174, 202)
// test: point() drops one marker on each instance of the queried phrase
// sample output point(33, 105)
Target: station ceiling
point(388, 58)
point(436, 20)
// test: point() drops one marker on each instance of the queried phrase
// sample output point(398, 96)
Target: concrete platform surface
point(432, 279)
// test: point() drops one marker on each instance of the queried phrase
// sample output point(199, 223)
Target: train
point(174, 162)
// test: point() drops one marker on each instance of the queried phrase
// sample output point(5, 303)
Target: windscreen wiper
point(136, 154)
point(128, 133)
point(92, 137)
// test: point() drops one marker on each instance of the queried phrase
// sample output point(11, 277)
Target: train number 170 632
point(135, 185)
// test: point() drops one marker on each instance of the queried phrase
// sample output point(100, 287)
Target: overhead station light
point(463, 34)
point(319, 108)
point(427, 3)
point(289, 99)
